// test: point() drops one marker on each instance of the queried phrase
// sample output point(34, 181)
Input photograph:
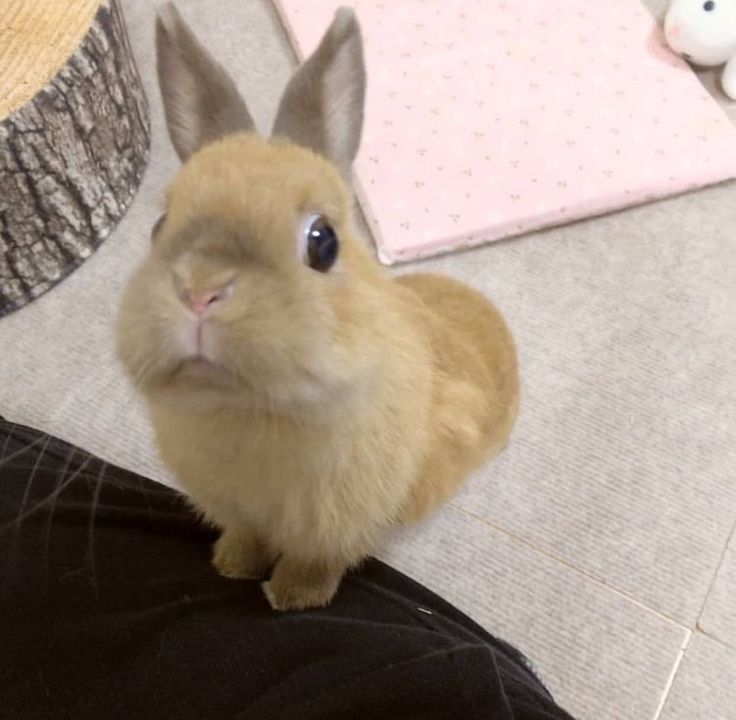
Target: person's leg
point(110, 608)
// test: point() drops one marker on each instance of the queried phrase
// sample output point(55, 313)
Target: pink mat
point(488, 119)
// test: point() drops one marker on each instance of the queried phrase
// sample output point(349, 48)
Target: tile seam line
point(673, 675)
point(712, 583)
point(579, 571)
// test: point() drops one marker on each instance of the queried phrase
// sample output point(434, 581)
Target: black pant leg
point(110, 608)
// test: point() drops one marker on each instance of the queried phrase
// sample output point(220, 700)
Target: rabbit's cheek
point(673, 31)
point(678, 38)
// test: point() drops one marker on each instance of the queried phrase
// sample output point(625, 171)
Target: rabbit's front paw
point(240, 554)
point(299, 586)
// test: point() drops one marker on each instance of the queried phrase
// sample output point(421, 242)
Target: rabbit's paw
point(299, 586)
point(728, 79)
point(240, 554)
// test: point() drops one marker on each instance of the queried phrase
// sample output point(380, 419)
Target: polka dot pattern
point(487, 118)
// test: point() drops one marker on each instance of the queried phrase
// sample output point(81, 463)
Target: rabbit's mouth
point(201, 368)
point(199, 363)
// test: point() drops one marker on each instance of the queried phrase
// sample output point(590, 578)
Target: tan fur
point(343, 402)
point(354, 401)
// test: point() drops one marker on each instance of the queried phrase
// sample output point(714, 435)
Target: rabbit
point(306, 402)
point(704, 33)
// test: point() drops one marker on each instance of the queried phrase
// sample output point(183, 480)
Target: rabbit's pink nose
point(675, 29)
point(199, 302)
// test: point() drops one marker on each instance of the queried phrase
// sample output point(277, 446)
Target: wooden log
point(74, 138)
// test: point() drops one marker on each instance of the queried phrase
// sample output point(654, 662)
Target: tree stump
point(74, 138)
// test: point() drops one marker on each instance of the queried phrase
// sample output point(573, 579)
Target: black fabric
point(109, 608)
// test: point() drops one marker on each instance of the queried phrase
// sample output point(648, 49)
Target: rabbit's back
point(476, 384)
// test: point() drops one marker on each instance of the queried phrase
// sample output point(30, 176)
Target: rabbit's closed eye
point(157, 227)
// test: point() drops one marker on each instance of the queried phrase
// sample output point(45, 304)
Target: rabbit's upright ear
point(201, 102)
point(322, 106)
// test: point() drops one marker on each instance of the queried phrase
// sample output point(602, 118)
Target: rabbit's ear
point(322, 106)
point(201, 102)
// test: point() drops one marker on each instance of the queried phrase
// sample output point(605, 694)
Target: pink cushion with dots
point(486, 119)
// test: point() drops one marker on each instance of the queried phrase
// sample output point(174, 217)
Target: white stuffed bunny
point(704, 33)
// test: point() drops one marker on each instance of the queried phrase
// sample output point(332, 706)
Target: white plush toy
point(704, 33)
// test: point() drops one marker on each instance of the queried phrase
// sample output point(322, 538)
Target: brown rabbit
point(305, 401)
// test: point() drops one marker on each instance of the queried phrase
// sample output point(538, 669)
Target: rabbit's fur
point(307, 411)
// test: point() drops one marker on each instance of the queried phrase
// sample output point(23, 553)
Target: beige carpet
point(598, 542)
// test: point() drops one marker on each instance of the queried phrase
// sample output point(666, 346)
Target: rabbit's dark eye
point(708, 6)
point(323, 244)
point(157, 226)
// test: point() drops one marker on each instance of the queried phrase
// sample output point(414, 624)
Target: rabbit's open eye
point(709, 5)
point(157, 226)
point(321, 243)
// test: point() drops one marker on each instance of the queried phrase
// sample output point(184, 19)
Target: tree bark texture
point(71, 160)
